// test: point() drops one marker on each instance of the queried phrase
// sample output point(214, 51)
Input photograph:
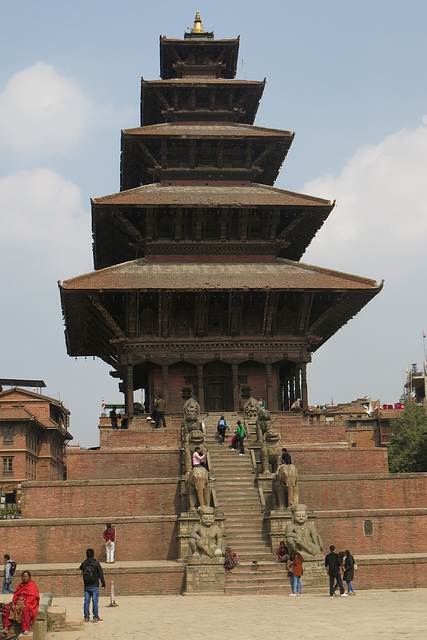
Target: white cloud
point(42, 113)
point(381, 210)
point(378, 230)
point(45, 230)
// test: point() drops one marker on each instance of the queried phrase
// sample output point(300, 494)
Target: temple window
point(148, 322)
point(8, 435)
point(7, 466)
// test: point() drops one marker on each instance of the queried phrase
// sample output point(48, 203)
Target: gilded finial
point(198, 27)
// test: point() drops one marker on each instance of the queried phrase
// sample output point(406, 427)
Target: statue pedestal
point(204, 576)
point(277, 522)
point(186, 522)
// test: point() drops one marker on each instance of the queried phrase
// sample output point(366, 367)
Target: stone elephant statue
point(285, 487)
point(197, 488)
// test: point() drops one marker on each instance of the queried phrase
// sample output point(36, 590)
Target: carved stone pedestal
point(186, 522)
point(205, 576)
point(277, 522)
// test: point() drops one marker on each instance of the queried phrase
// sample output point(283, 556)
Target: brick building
point(34, 431)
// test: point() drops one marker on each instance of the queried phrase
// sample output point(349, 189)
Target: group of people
point(25, 601)
point(339, 567)
point(238, 440)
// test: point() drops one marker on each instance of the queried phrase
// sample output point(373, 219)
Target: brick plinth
point(65, 540)
point(339, 460)
point(107, 499)
point(130, 463)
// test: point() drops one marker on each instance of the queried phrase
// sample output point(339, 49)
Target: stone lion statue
point(285, 487)
point(271, 451)
point(263, 424)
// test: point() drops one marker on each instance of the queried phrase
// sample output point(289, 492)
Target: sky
point(348, 78)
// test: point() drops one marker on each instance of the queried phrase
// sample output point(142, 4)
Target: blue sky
point(350, 80)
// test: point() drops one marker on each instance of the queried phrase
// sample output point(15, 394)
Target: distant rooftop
point(15, 382)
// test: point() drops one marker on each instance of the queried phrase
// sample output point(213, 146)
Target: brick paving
point(379, 615)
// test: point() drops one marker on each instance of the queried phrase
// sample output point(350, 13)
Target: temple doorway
point(218, 387)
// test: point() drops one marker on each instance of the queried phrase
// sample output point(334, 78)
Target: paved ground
point(370, 615)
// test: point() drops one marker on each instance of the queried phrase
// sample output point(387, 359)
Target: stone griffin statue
point(198, 488)
point(285, 486)
point(251, 409)
point(301, 534)
point(271, 451)
point(192, 420)
point(206, 537)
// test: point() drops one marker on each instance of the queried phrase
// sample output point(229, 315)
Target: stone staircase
point(239, 500)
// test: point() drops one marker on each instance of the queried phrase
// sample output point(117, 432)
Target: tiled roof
point(205, 131)
point(280, 275)
point(15, 413)
point(257, 195)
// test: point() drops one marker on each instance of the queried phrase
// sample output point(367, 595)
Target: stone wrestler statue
point(206, 537)
point(301, 535)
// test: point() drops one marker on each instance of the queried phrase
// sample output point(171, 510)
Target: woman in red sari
point(26, 594)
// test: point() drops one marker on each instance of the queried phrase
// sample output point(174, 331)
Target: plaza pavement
point(370, 615)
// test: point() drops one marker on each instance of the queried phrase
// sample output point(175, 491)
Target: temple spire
point(198, 27)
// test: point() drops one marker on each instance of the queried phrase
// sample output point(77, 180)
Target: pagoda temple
point(197, 280)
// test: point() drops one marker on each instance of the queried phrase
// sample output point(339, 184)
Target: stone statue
point(197, 488)
point(251, 408)
point(285, 486)
point(301, 535)
point(263, 424)
point(271, 451)
point(194, 439)
point(192, 420)
point(206, 537)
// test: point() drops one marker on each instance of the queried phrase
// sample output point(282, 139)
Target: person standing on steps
point(242, 435)
point(160, 411)
point(109, 536)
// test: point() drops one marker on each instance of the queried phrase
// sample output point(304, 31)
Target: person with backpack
point(242, 435)
point(8, 571)
point(91, 573)
point(222, 426)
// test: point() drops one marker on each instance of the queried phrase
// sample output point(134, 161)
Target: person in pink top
point(199, 459)
point(109, 536)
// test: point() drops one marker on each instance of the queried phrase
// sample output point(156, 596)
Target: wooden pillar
point(269, 404)
point(236, 389)
point(200, 384)
point(304, 387)
point(165, 372)
point(129, 390)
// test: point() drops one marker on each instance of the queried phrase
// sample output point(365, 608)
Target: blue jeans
point(297, 584)
point(91, 592)
point(349, 586)
point(5, 588)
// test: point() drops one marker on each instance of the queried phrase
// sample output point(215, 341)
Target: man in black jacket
point(91, 573)
point(332, 564)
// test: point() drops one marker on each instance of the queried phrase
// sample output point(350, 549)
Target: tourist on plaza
point(8, 571)
point(341, 555)
point(294, 566)
point(286, 457)
point(113, 418)
point(91, 573)
point(332, 564)
point(242, 435)
point(222, 426)
point(160, 406)
point(349, 563)
point(23, 608)
point(282, 553)
point(199, 459)
point(109, 536)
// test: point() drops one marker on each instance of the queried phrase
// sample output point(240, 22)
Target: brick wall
point(66, 540)
point(132, 463)
point(394, 491)
point(305, 434)
point(316, 460)
point(107, 499)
